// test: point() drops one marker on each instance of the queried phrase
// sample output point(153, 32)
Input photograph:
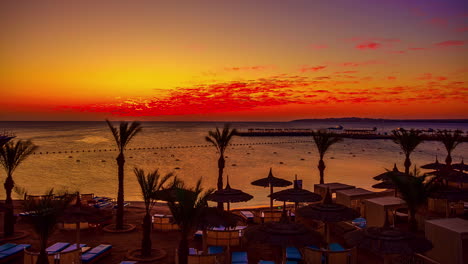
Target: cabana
point(353, 197)
point(321, 189)
point(377, 209)
point(450, 239)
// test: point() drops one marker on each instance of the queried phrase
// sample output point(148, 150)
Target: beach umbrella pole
point(77, 234)
point(271, 199)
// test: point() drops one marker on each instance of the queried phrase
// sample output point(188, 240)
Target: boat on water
point(339, 127)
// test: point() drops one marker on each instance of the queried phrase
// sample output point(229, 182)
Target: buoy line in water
point(168, 147)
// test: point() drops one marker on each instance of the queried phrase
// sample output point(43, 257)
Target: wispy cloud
point(368, 45)
point(307, 68)
point(450, 43)
point(360, 63)
point(319, 46)
point(248, 68)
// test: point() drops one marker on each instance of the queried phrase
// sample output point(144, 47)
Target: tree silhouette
point(450, 141)
point(408, 140)
point(323, 141)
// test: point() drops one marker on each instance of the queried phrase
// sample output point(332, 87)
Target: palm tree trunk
point(413, 224)
point(407, 164)
point(42, 258)
point(183, 249)
point(448, 159)
point(146, 244)
point(9, 217)
point(120, 194)
point(221, 164)
point(321, 167)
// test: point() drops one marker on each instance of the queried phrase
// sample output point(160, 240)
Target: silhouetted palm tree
point(11, 156)
point(221, 141)
point(44, 217)
point(450, 141)
point(122, 137)
point(187, 206)
point(150, 184)
point(415, 191)
point(408, 141)
point(324, 140)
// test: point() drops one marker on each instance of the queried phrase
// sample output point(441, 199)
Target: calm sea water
point(352, 162)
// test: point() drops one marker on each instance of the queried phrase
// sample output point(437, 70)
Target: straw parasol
point(229, 195)
point(388, 174)
point(452, 194)
point(282, 234)
point(434, 166)
point(387, 241)
point(327, 212)
point(295, 195)
point(271, 182)
point(460, 166)
point(78, 213)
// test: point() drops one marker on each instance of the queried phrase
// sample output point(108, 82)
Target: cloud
point(361, 63)
point(429, 76)
point(417, 48)
point(346, 72)
point(461, 29)
point(391, 78)
point(306, 68)
point(247, 68)
point(397, 52)
point(438, 22)
point(368, 45)
point(449, 43)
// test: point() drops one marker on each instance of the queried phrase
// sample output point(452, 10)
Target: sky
point(243, 60)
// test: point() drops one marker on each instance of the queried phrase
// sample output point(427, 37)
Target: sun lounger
point(266, 262)
point(96, 253)
point(215, 250)
point(247, 215)
point(128, 262)
point(72, 247)
point(198, 234)
point(293, 253)
point(12, 252)
point(291, 262)
point(57, 247)
point(335, 247)
point(6, 246)
point(193, 251)
point(239, 258)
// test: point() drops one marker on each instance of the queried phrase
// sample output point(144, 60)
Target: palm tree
point(47, 211)
point(150, 184)
point(415, 191)
point(11, 156)
point(221, 141)
point(122, 137)
point(450, 141)
point(187, 206)
point(324, 140)
point(408, 141)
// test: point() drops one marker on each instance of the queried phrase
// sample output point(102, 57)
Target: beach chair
point(215, 250)
point(57, 247)
point(266, 262)
point(293, 253)
point(73, 247)
point(313, 255)
point(70, 256)
point(128, 262)
point(12, 252)
point(239, 258)
point(247, 215)
point(31, 257)
point(6, 246)
point(96, 253)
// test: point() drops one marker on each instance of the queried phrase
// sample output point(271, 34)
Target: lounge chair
point(247, 215)
point(293, 253)
point(266, 262)
point(6, 246)
point(128, 262)
point(215, 250)
point(291, 262)
point(239, 258)
point(193, 251)
point(57, 247)
point(335, 247)
point(12, 252)
point(96, 253)
point(73, 247)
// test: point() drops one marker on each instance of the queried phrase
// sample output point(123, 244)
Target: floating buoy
point(70, 157)
point(177, 159)
point(332, 157)
point(77, 160)
point(281, 162)
point(176, 168)
point(234, 165)
point(131, 157)
point(103, 161)
point(302, 159)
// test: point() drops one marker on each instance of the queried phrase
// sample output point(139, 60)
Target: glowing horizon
point(220, 60)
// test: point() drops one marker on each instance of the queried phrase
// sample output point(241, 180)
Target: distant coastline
point(358, 119)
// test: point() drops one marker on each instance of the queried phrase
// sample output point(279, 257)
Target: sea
point(81, 156)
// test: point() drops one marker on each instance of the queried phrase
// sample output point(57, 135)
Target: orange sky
point(233, 60)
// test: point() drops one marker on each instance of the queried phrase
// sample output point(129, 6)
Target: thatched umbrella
point(78, 213)
point(460, 166)
point(389, 174)
point(327, 212)
point(449, 174)
point(229, 195)
point(271, 182)
point(282, 234)
point(452, 194)
point(434, 166)
point(296, 195)
point(387, 241)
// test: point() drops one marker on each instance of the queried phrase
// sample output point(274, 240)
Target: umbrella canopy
point(384, 185)
point(387, 240)
point(296, 195)
point(271, 181)
point(388, 174)
point(452, 194)
point(460, 166)
point(282, 234)
point(229, 195)
point(451, 175)
point(434, 166)
point(213, 217)
point(328, 212)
